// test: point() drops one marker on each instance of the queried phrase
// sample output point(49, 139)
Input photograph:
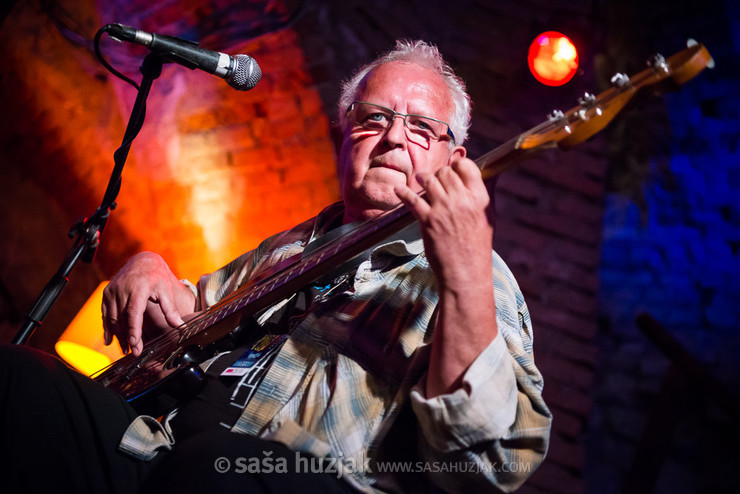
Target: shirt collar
point(407, 242)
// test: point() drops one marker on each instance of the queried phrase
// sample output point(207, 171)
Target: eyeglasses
point(378, 118)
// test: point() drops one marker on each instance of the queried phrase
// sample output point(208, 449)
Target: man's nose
point(396, 132)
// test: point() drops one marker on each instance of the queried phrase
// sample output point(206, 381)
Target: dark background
point(643, 217)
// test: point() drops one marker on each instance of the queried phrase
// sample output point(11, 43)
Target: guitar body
point(168, 371)
point(166, 393)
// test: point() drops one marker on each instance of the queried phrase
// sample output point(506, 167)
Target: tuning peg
point(658, 63)
point(620, 80)
point(559, 116)
point(587, 102)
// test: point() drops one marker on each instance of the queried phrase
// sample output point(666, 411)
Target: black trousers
point(59, 432)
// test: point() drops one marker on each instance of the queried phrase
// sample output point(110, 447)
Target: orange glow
point(81, 345)
point(215, 171)
point(553, 58)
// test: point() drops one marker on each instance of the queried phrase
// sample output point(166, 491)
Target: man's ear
point(458, 152)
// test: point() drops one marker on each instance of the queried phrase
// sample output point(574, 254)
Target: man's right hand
point(144, 297)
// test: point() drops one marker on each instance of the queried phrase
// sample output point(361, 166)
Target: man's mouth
point(383, 164)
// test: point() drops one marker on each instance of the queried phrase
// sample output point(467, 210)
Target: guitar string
point(158, 348)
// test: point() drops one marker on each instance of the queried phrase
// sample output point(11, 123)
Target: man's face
point(372, 163)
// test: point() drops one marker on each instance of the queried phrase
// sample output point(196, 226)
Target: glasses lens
point(377, 118)
point(372, 117)
point(425, 127)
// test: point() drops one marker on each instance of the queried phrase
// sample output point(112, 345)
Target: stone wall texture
point(642, 217)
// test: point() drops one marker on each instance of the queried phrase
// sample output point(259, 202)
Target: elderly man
point(408, 369)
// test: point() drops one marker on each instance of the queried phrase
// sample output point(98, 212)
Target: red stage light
point(553, 58)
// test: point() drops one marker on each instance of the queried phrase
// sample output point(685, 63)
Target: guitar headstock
point(593, 113)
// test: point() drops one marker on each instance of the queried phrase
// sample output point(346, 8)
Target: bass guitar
point(168, 369)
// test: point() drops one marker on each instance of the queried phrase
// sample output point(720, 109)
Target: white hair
point(425, 55)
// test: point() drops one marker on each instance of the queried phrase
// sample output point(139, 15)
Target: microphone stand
point(88, 230)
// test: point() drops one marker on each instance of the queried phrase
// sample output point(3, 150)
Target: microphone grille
point(246, 73)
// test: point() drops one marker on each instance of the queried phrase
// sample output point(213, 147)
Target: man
point(416, 357)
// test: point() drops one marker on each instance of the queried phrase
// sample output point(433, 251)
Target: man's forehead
point(406, 79)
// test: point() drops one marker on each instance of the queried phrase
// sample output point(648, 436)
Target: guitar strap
point(409, 234)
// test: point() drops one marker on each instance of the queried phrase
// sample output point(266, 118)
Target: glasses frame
point(404, 116)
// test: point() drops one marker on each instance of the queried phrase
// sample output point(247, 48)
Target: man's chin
point(368, 208)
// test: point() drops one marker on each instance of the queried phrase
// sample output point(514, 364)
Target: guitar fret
point(290, 275)
point(282, 279)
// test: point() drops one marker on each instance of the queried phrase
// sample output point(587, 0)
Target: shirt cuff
point(145, 436)
point(190, 285)
point(482, 409)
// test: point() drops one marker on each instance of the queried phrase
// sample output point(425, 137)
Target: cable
point(103, 61)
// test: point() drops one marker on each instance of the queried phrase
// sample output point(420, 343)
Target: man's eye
point(421, 124)
point(376, 117)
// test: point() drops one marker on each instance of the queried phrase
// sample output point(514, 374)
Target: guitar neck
point(563, 130)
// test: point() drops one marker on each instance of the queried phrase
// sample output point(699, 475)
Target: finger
point(137, 347)
point(122, 338)
point(134, 319)
point(418, 206)
point(472, 179)
point(450, 180)
point(469, 173)
point(170, 310)
point(435, 190)
point(106, 309)
point(111, 324)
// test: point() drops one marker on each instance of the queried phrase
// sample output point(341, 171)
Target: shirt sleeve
point(252, 265)
point(214, 286)
point(495, 428)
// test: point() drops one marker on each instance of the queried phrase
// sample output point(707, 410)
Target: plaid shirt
point(348, 382)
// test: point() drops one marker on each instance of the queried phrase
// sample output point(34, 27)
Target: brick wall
point(213, 172)
point(268, 155)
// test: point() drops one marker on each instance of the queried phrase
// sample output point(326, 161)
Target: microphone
point(240, 72)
